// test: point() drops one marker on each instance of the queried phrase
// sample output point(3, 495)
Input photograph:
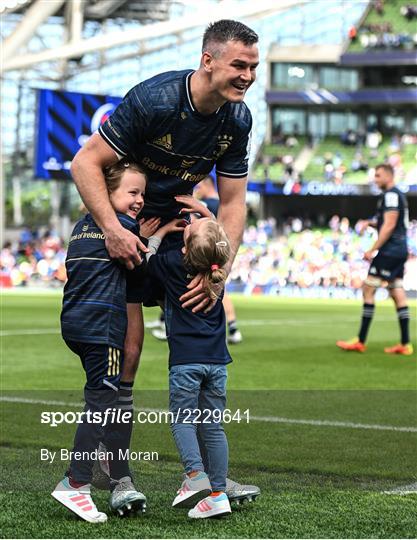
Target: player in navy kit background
point(178, 125)
point(387, 266)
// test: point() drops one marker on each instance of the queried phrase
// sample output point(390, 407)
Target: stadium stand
point(347, 107)
point(387, 25)
point(35, 260)
point(301, 260)
point(292, 259)
point(335, 159)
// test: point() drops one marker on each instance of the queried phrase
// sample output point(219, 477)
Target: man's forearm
point(383, 236)
point(233, 219)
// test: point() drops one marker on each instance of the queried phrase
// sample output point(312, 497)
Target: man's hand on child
point(198, 297)
point(125, 246)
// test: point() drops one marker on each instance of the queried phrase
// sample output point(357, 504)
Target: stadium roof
point(99, 10)
point(76, 46)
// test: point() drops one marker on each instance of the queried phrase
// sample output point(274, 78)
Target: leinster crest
point(223, 143)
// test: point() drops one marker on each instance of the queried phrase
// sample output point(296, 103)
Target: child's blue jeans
point(197, 399)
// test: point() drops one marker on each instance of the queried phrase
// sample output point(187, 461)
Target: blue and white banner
point(65, 121)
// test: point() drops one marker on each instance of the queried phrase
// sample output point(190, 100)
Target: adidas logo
point(164, 141)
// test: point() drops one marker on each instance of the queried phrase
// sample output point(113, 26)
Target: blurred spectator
point(409, 12)
point(293, 260)
point(33, 261)
point(379, 6)
point(353, 33)
point(305, 262)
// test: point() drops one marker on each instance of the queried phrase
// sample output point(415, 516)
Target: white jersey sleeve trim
point(119, 153)
point(237, 175)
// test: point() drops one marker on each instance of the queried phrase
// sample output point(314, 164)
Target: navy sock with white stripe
point(404, 321)
point(367, 315)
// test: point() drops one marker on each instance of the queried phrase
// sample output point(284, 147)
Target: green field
point(328, 431)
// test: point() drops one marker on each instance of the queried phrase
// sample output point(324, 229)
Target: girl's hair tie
point(214, 267)
point(221, 243)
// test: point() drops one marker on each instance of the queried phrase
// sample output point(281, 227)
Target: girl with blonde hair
point(197, 362)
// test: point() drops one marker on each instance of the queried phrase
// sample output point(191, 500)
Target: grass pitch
point(328, 431)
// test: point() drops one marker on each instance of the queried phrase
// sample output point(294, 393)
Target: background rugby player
point(388, 264)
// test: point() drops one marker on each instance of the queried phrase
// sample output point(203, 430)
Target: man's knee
point(396, 284)
point(368, 291)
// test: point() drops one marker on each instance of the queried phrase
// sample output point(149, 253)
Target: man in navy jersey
point(177, 125)
point(387, 257)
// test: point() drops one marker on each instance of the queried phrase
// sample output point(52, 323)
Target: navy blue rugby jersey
point(158, 126)
point(192, 337)
point(94, 303)
point(394, 200)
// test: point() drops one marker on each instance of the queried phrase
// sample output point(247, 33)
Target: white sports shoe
point(125, 499)
point(78, 501)
point(236, 337)
point(192, 490)
point(160, 333)
point(154, 324)
point(211, 507)
point(239, 492)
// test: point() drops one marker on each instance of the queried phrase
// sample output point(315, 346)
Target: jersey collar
point(190, 100)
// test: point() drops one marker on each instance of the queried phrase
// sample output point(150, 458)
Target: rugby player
point(178, 126)
point(387, 257)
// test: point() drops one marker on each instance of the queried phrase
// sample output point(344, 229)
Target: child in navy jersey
point(197, 362)
point(93, 324)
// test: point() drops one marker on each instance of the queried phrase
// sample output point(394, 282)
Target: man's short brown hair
point(386, 167)
point(220, 32)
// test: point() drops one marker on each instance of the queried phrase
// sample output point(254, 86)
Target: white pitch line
point(30, 332)
point(270, 419)
point(254, 322)
point(409, 489)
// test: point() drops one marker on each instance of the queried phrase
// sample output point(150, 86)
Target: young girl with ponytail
point(197, 362)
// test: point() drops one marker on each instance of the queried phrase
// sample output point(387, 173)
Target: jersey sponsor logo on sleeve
point(391, 200)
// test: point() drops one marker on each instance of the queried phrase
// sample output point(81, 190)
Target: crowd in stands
point(368, 151)
point(297, 259)
point(294, 258)
point(36, 259)
point(382, 35)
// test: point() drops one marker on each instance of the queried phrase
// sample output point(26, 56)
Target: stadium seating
point(388, 25)
point(294, 258)
point(350, 164)
point(300, 260)
point(332, 160)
